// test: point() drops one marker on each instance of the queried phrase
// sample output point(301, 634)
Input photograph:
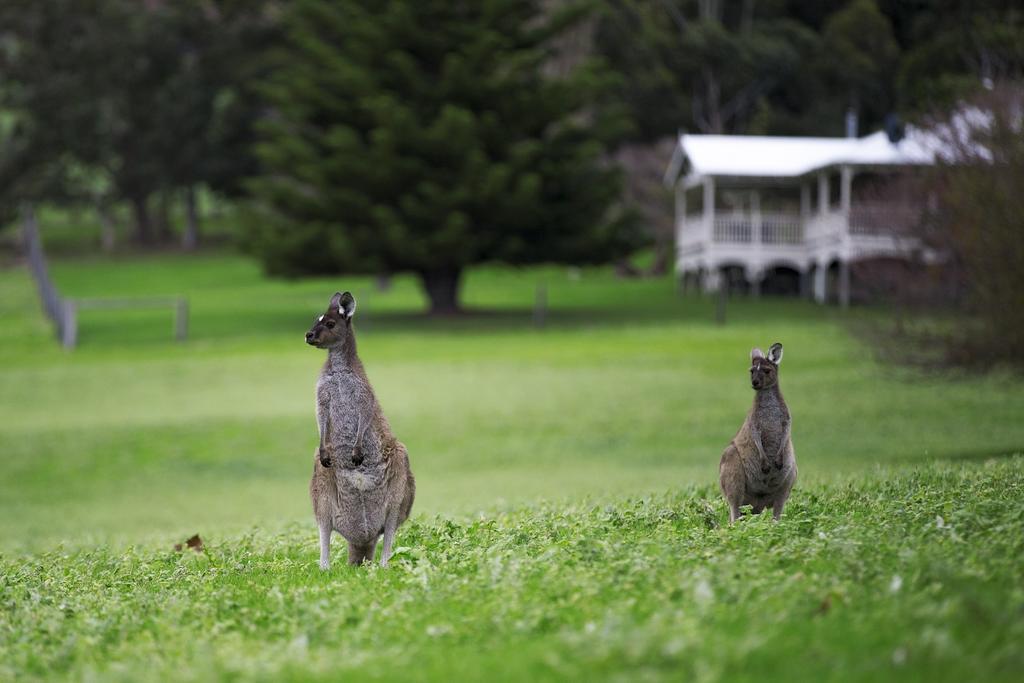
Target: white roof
point(770, 156)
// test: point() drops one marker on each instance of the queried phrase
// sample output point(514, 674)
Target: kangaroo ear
point(756, 353)
point(775, 353)
point(346, 304)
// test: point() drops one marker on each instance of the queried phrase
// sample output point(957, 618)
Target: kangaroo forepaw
point(324, 458)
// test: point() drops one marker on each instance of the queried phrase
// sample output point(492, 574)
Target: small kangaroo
point(759, 467)
point(362, 485)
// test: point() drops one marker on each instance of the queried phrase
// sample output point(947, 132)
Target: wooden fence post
point(181, 319)
point(540, 306)
point(721, 301)
point(68, 324)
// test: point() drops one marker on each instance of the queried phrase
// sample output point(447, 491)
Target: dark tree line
point(428, 135)
point(117, 101)
point(795, 67)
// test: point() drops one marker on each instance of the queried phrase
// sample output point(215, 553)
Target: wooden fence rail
point(63, 311)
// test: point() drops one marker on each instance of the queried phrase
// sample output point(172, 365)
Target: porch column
point(680, 224)
point(844, 284)
point(755, 276)
point(756, 273)
point(805, 201)
point(709, 208)
point(755, 216)
point(680, 210)
point(805, 282)
point(712, 279)
point(845, 189)
point(822, 193)
point(820, 275)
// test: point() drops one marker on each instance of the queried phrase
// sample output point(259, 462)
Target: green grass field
point(567, 523)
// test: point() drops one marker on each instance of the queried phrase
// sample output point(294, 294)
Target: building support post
point(844, 284)
point(756, 274)
point(680, 210)
point(713, 279)
point(820, 280)
point(755, 217)
point(805, 282)
point(845, 195)
point(823, 193)
point(845, 187)
point(680, 231)
point(709, 209)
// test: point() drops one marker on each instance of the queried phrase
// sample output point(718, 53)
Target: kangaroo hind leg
point(390, 526)
point(325, 546)
point(357, 554)
point(732, 481)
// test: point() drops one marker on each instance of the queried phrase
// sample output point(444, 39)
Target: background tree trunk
point(644, 191)
point(190, 240)
point(662, 257)
point(143, 224)
point(442, 289)
point(163, 216)
point(108, 229)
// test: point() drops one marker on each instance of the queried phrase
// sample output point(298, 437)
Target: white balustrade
point(775, 228)
point(783, 229)
point(735, 228)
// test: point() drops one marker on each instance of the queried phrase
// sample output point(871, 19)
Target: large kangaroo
point(759, 467)
point(362, 485)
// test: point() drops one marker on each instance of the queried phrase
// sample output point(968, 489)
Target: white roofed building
point(749, 208)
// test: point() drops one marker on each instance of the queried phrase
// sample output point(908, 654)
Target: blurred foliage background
point(426, 137)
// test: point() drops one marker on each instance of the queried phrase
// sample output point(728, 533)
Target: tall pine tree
point(425, 136)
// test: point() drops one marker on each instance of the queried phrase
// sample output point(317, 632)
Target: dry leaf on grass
point(194, 542)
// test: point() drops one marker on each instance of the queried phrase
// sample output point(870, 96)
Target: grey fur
point(362, 484)
point(758, 468)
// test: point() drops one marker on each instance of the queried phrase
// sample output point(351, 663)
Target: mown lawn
point(529, 553)
point(629, 389)
point(907, 575)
